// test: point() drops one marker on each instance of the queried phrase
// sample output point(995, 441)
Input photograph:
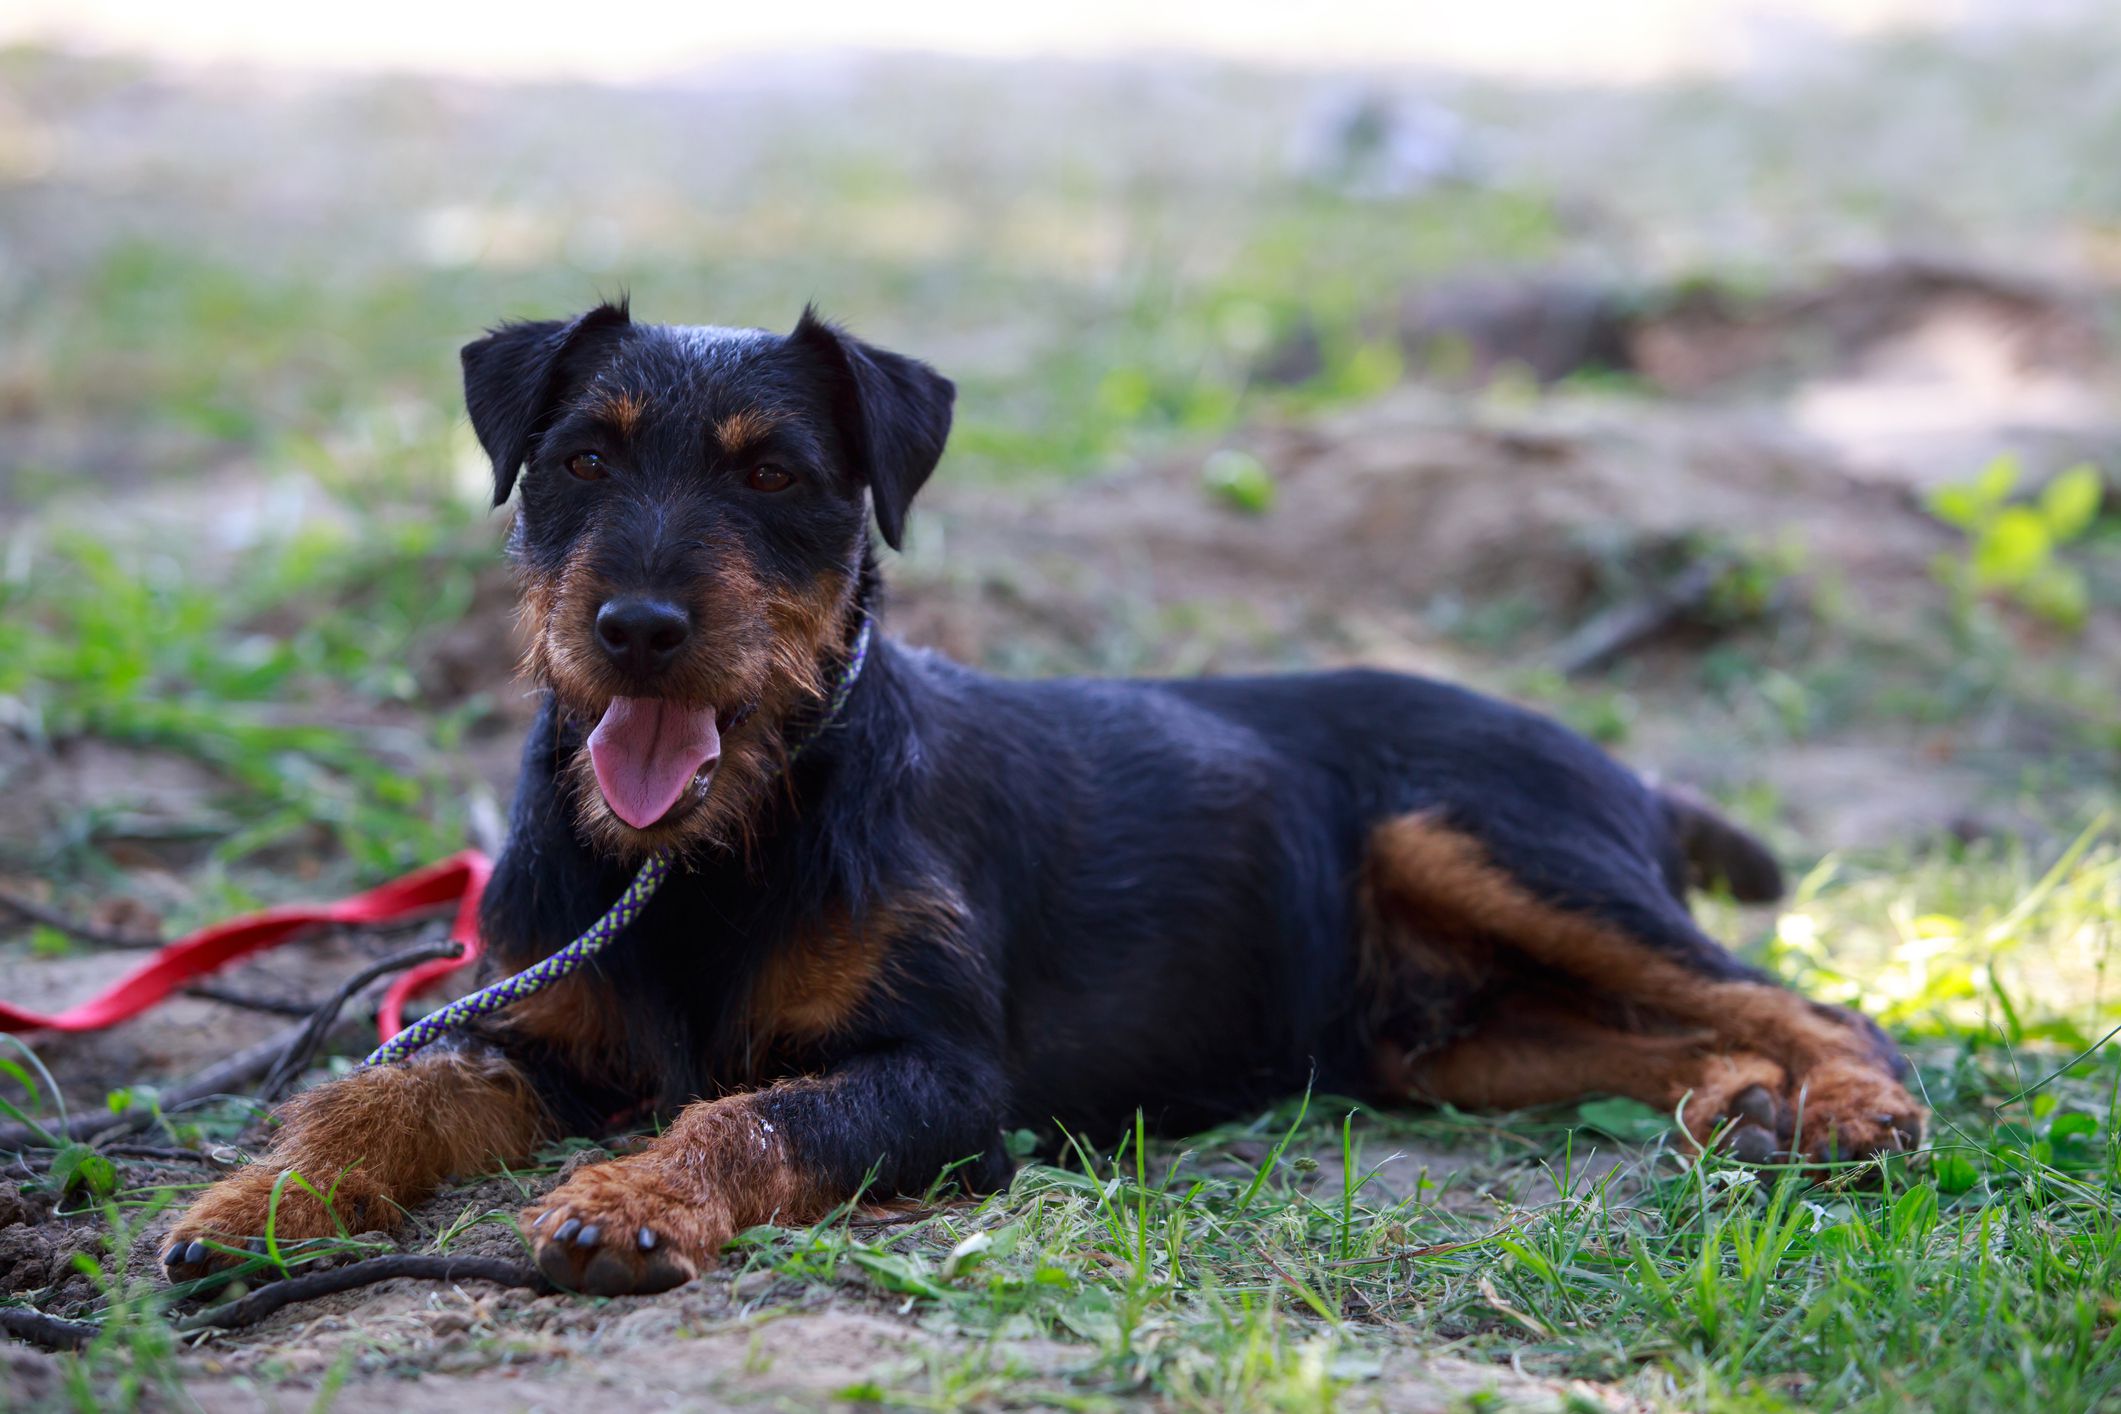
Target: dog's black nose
point(641, 635)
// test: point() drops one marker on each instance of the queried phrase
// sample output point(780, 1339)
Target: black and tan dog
point(974, 904)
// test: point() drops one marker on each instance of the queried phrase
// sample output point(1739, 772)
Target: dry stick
point(220, 1078)
point(227, 996)
point(224, 1077)
point(164, 1154)
point(74, 928)
point(251, 1309)
point(303, 1049)
point(56, 1334)
point(47, 1331)
point(233, 1074)
point(1434, 1250)
point(1608, 635)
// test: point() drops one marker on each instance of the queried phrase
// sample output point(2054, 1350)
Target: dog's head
point(691, 537)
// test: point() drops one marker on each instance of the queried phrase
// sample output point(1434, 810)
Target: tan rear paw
point(1734, 1105)
point(1845, 1109)
point(1853, 1108)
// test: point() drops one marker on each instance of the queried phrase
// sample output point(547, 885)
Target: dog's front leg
point(788, 1153)
point(364, 1148)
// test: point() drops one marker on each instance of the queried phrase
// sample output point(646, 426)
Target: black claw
point(646, 1239)
point(174, 1255)
point(588, 1236)
point(566, 1229)
point(195, 1254)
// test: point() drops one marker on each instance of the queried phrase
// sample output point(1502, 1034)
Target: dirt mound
point(1913, 370)
point(1381, 514)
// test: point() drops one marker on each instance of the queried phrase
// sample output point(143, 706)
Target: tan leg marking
point(1851, 1103)
point(1543, 1054)
point(374, 1143)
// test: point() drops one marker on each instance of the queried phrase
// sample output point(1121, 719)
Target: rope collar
point(569, 960)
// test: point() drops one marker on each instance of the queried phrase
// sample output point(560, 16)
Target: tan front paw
point(622, 1227)
point(236, 1216)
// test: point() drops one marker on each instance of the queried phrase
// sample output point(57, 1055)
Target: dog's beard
point(696, 797)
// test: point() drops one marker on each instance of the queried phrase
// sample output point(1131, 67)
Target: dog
point(949, 906)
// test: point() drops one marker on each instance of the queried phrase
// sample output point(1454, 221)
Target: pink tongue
point(646, 752)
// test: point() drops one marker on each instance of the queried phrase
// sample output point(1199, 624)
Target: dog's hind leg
point(1650, 1006)
point(1537, 1051)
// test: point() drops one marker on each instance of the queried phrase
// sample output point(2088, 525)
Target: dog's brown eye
point(768, 478)
point(586, 466)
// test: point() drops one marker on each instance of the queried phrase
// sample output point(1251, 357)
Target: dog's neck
point(839, 665)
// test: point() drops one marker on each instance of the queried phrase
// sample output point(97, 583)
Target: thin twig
point(1439, 1249)
point(877, 1224)
point(303, 1048)
point(223, 1077)
point(1608, 635)
point(1305, 1292)
point(259, 1304)
point(73, 927)
point(163, 1154)
point(272, 1006)
point(47, 1331)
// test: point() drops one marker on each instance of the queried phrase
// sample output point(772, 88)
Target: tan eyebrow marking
point(740, 429)
point(622, 410)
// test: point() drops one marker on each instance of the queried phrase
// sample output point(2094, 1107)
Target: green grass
point(139, 649)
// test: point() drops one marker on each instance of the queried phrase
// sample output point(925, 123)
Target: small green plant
point(99, 643)
point(2011, 546)
point(1239, 480)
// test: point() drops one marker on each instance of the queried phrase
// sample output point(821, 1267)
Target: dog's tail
point(1718, 854)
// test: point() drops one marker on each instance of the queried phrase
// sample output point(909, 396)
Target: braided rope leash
point(569, 960)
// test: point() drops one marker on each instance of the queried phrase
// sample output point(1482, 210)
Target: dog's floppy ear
point(893, 414)
point(514, 375)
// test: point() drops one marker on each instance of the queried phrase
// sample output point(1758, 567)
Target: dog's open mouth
point(649, 751)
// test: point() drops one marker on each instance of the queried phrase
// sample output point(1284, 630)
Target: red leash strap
point(459, 879)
